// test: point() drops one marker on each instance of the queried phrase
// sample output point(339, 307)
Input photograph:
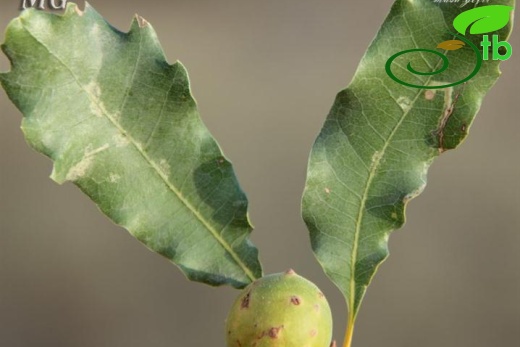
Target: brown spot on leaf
point(295, 300)
point(444, 120)
point(429, 94)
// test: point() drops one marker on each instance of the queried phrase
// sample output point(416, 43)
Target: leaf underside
point(380, 137)
point(120, 122)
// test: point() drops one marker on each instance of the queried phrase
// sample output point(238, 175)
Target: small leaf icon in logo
point(451, 45)
point(483, 19)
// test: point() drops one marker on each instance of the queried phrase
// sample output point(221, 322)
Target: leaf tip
point(78, 11)
point(143, 23)
point(73, 9)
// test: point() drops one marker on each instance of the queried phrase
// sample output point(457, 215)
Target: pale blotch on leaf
point(93, 89)
point(404, 103)
point(451, 45)
point(120, 140)
point(113, 177)
point(81, 168)
point(96, 107)
point(164, 167)
point(376, 159)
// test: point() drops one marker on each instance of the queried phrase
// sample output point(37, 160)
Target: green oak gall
point(280, 310)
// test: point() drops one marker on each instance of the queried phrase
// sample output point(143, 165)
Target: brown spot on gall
point(316, 307)
point(290, 272)
point(314, 332)
point(295, 300)
point(245, 300)
point(274, 331)
point(321, 295)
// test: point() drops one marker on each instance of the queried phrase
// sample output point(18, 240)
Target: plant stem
point(349, 332)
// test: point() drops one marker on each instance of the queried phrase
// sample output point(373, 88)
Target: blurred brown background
point(265, 74)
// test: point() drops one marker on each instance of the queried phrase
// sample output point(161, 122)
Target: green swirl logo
point(480, 20)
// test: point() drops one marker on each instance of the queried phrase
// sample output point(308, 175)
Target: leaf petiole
point(350, 331)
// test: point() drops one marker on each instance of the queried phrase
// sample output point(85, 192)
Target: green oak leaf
point(380, 137)
point(121, 123)
point(483, 19)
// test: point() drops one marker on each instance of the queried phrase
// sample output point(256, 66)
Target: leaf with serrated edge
point(120, 122)
point(380, 137)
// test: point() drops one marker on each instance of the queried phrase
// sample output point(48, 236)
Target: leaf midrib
point(157, 170)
